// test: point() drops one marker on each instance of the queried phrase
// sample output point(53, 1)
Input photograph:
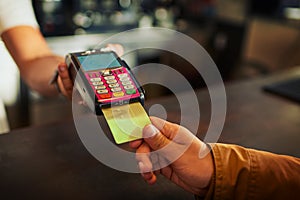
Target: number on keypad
point(112, 83)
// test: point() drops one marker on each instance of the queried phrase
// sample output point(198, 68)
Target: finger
point(170, 150)
point(65, 79)
point(116, 48)
point(150, 177)
point(154, 138)
point(135, 144)
point(145, 164)
point(172, 131)
point(152, 180)
point(167, 128)
point(143, 155)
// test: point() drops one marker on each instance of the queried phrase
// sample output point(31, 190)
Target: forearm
point(37, 74)
point(242, 173)
point(34, 58)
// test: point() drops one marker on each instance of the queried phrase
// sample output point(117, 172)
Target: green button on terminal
point(130, 91)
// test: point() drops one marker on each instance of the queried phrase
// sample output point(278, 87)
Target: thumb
point(116, 48)
point(154, 138)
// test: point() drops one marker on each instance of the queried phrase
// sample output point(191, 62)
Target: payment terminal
point(104, 79)
point(108, 87)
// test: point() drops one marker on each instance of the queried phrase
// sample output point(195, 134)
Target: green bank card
point(126, 122)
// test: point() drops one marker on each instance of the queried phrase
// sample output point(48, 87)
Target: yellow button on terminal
point(118, 94)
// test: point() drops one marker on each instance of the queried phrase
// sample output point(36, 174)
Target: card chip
point(126, 122)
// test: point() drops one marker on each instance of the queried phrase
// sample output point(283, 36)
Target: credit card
point(126, 122)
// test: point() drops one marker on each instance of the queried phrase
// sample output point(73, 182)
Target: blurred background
point(261, 36)
point(245, 38)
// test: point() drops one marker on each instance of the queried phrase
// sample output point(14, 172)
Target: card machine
point(103, 79)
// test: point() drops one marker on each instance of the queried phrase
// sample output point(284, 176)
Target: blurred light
point(146, 21)
point(88, 4)
point(161, 14)
point(125, 3)
point(108, 4)
point(98, 18)
point(81, 19)
point(49, 6)
point(292, 13)
point(117, 18)
point(79, 31)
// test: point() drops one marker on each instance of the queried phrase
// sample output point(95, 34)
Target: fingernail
point(61, 68)
point(150, 131)
point(141, 166)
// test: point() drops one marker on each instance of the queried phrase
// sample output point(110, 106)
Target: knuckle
point(160, 142)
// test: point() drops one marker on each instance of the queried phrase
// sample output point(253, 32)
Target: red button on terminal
point(105, 96)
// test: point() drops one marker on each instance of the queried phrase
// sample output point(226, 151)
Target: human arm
point(37, 63)
point(20, 32)
point(243, 173)
point(238, 173)
point(35, 60)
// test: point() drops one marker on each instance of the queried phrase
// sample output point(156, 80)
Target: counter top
point(50, 161)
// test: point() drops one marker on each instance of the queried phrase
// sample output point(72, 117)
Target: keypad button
point(97, 83)
point(102, 91)
point(124, 79)
point(117, 89)
point(126, 83)
point(91, 75)
point(122, 75)
point(109, 78)
point(114, 85)
point(105, 96)
point(95, 79)
point(118, 94)
point(126, 87)
point(106, 73)
point(111, 81)
point(131, 91)
point(100, 87)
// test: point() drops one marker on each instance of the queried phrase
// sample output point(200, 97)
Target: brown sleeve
point(242, 173)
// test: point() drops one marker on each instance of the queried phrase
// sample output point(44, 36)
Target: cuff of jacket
point(231, 172)
point(210, 193)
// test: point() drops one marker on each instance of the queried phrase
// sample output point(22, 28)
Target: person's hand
point(64, 81)
point(116, 48)
point(190, 171)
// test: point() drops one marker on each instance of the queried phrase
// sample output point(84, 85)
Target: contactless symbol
point(88, 127)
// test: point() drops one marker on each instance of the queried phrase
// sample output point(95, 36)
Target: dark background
point(245, 38)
